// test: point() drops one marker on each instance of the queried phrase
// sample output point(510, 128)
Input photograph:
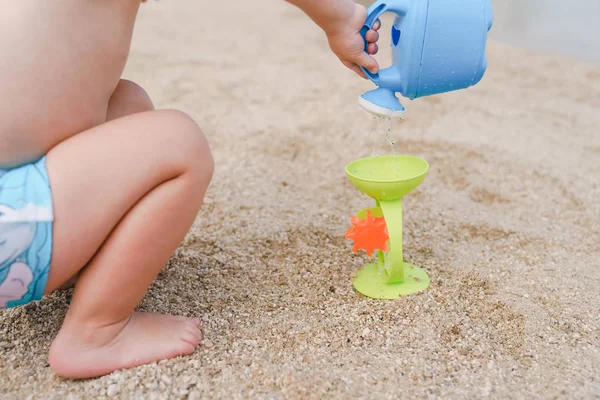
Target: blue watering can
point(437, 46)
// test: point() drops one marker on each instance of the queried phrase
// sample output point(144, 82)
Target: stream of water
point(383, 140)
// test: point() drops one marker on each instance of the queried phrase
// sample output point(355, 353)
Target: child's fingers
point(354, 68)
point(376, 25)
point(372, 36)
point(359, 71)
point(373, 48)
point(367, 62)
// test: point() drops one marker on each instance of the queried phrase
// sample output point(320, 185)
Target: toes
point(191, 332)
point(195, 332)
point(191, 338)
point(186, 347)
point(193, 321)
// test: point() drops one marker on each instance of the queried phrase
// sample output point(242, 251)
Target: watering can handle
point(376, 9)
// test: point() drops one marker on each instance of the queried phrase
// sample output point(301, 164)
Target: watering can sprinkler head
point(437, 47)
point(383, 103)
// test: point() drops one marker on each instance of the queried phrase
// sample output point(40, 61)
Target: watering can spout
point(389, 78)
point(383, 101)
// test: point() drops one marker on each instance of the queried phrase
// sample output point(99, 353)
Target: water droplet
point(453, 72)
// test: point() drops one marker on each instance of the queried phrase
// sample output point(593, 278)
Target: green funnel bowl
point(389, 177)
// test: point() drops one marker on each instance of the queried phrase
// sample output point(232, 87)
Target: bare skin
point(149, 212)
point(127, 180)
point(342, 21)
point(47, 93)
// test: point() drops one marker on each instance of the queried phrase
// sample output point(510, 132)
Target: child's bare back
point(60, 65)
point(96, 185)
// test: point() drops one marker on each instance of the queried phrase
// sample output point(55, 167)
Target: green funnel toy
point(386, 179)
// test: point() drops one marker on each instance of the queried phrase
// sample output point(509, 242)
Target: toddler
point(96, 184)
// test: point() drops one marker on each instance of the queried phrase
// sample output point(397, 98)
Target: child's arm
point(342, 20)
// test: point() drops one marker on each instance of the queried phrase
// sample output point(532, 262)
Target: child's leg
point(125, 194)
point(128, 98)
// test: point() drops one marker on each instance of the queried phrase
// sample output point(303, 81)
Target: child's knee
point(193, 149)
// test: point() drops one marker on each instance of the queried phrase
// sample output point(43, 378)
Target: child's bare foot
point(81, 351)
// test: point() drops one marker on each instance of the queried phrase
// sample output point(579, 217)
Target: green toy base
point(372, 283)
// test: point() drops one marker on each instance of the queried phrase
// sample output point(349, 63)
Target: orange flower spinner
point(369, 234)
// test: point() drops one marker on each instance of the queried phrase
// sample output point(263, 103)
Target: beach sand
point(506, 225)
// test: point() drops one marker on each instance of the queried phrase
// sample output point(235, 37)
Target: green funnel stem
point(380, 253)
point(380, 258)
point(392, 212)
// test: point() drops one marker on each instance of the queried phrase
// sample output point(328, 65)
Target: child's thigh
point(128, 98)
point(98, 175)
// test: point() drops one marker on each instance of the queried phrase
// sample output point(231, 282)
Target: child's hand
point(347, 43)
